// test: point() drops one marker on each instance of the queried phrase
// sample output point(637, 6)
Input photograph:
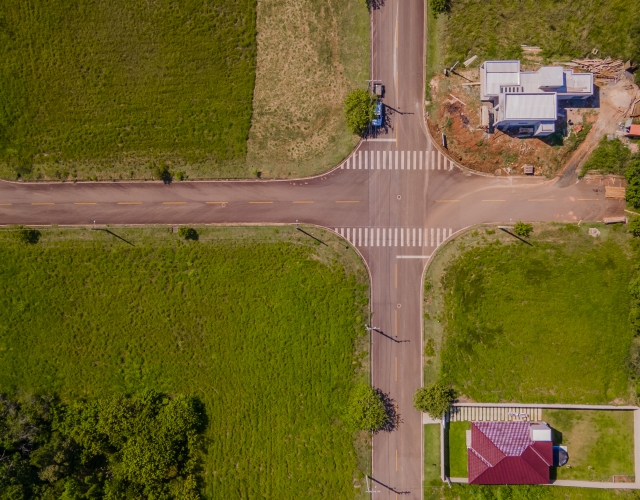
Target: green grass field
point(457, 441)
point(599, 443)
point(474, 492)
point(116, 86)
point(495, 29)
point(260, 323)
point(432, 455)
point(541, 323)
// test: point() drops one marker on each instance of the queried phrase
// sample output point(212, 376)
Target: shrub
point(27, 235)
point(438, 6)
point(366, 410)
point(609, 157)
point(359, 108)
point(188, 233)
point(434, 399)
point(523, 229)
point(634, 226)
point(632, 173)
point(162, 173)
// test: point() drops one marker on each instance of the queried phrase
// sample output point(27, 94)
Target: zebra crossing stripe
point(394, 237)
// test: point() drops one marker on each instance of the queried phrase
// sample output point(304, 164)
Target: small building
point(632, 131)
point(509, 453)
point(528, 100)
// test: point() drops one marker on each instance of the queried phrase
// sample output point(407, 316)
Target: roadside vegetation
point(113, 89)
point(311, 53)
point(610, 157)
point(359, 106)
point(262, 325)
point(474, 492)
point(130, 90)
point(562, 29)
point(494, 307)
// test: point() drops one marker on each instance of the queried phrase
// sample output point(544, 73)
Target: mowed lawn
point(599, 443)
point(103, 89)
point(261, 324)
point(541, 323)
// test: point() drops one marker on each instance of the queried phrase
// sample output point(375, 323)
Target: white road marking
point(420, 237)
point(413, 256)
point(420, 160)
point(432, 240)
point(396, 162)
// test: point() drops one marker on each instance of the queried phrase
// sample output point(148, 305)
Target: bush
point(434, 399)
point(634, 226)
point(359, 109)
point(27, 235)
point(632, 173)
point(610, 157)
point(366, 410)
point(188, 233)
point(438, 6)
point(162, 173)
point(523, 229)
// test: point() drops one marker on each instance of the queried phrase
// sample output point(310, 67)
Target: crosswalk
point(395, 236)
point(397, 160)
point(493, 414)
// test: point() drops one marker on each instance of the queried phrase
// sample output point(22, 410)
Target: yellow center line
point(347, 201)
point(84, 203)
point(447, 201)
point(303, 201)
point(216, 202)
point(43, 203)
point(5, 204)
point(541, 199)
point(588, 199)
point(174, 202)
point(260, 202)
point(395, 322)
point(129, 203)
point(493, 200)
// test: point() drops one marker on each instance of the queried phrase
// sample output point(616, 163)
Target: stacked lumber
point(603, 69)
point(614, 193)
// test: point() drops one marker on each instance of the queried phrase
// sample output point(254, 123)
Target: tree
point(366, 410)
point(188, 233)
point(438, 6)
point(359, 109)
point(434, 399)
point(523, 229)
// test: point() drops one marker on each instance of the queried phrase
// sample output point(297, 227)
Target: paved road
point(396, 199)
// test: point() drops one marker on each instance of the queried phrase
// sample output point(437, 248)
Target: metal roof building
point(509, 453)
point(529, 99)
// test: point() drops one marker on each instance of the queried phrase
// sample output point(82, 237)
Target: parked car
point(378, 117)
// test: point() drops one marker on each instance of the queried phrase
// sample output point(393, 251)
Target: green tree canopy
point(366, 410)
point(359, 109)
point(434, 399)
point(118, 447)
point(438, 6)
point(188, 233)
point(523, 229)
point(632, 173)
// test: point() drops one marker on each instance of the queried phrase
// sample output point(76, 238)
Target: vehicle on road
point(378, 116)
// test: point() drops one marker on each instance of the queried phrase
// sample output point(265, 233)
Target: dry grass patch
point(310, 54)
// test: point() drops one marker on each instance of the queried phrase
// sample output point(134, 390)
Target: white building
point(528, 100)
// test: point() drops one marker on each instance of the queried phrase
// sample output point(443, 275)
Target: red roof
point(503, 453)
point(634, 131)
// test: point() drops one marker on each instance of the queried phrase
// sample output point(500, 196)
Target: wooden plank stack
point(614, 193)
point(602, 69)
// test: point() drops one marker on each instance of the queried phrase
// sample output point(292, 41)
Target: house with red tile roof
point(509, 453)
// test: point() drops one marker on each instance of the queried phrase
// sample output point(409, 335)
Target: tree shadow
point(375, 4)
point(391, 409)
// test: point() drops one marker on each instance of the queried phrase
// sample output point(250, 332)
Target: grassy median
point(263, 325)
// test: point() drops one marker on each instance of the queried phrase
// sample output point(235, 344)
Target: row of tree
point(112, 448)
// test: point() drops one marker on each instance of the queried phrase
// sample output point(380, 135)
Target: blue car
point(378, 116)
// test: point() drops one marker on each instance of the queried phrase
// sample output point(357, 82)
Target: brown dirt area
point(455, 112)
point(310, 55)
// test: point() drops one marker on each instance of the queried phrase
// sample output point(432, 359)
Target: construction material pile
point(602, 69)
